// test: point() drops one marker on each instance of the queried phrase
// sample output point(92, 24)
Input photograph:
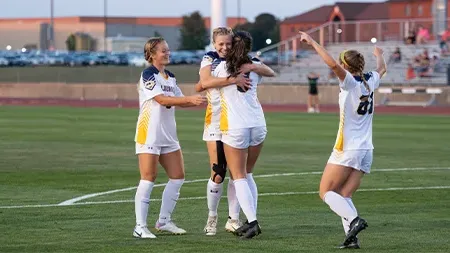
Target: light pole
point(105, 19)
point(239, 11)
point(51, 45)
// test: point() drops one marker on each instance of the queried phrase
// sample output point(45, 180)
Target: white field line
point(259, 195)
point(92, 195)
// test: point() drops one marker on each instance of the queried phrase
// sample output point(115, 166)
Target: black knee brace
point(220, 168)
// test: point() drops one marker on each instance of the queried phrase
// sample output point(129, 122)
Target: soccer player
point(222, 38)
point(211, 135)
point(156, 138)
point(242, 125)
point(313, 95)
point(352, 154)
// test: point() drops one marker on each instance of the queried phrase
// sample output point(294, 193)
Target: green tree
point(266, 26)
point(193, 32)
point(156, 34)
point(71, 42)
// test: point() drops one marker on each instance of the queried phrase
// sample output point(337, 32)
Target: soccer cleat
point(232, 225)
point(356, 226)
point(353, 244)
point(253, 230)
point(242, 229)
point(143, 232)
point(169, 227)
point(310, 110)
point(211, 225)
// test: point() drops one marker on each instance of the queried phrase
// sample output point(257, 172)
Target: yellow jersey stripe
point(339, 146)
point(223, 113)
point(144, 120)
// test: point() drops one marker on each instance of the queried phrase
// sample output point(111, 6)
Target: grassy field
point(97, 74)
point(52, 154)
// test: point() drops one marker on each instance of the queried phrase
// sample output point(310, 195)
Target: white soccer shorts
point(212, 133)
point(156, 150)
point(245, 137)
point(356, 159)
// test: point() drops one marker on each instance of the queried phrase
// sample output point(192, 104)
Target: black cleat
point(253, 230)
point(242, 229)
point(353, 244)
point(356, 226)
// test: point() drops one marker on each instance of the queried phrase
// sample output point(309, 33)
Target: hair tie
point(343, 58)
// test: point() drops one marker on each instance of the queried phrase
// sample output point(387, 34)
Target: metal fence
point(370, 31)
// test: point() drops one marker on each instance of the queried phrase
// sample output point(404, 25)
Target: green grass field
point(52, 154)
point(96, 74)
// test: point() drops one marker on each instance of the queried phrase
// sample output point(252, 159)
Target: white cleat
point(169, 227)
point(232, 225)
point(311, 110)
point(143, 232)
point(211, 225)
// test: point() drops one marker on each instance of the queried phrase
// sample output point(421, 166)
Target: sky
point(158, 8)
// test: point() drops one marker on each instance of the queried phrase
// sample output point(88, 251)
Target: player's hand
point(304, 37)
point(243, 82)
point(246, 68)
point(197, 99)
point(378, 51)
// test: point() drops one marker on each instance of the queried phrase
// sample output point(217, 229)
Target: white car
point(138, 62)
point(3, 62)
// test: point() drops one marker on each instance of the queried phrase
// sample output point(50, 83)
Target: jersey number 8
point(366, 106)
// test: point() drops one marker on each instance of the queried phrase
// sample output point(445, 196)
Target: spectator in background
point(411, 39)
point(313, 95)
point(396, 56)
point(410, 73)
point(444, 39)
point(423, 64)
point(423, 35)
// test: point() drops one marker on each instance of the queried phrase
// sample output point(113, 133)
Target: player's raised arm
point(323, 53)
point(381, 63)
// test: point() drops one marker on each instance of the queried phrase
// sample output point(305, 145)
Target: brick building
point(35, 31)
point(390, 20)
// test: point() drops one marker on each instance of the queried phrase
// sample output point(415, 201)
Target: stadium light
point(268, 41)
point(373, 40)
point(8, 47)
point(24, 50)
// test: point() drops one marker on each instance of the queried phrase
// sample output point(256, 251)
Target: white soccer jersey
point(156, 123)
point(356, 112)
point(239, 109)
point(212, 115)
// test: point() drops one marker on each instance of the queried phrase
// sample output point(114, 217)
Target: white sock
point(253, 189)
point(345, 223)
point(233, 204)
point(169, 199)
point(213, 195)
point(339, 205)
point(141, 201)
point(245, 198)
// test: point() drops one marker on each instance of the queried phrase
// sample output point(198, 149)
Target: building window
point(420, 10)
point(408, 10)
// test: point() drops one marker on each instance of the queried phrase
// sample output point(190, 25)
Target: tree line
point(194, 34)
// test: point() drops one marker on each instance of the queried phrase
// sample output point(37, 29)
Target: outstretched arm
point(187, 101)
point(260, 69)
point(327, 58)
point(381, 62)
